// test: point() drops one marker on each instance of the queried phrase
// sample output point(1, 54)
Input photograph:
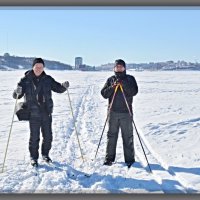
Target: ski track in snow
point(68, 175)
point(171, 183)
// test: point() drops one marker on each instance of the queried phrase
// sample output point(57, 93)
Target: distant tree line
point(15, 62)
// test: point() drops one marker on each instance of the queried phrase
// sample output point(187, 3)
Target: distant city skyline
point(100, 36)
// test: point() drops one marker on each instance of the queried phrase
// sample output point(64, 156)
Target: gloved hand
point(117, 82)
point(65, 84)
point(18, 90)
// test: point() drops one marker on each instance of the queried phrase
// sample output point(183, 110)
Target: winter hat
point(38, 60)
point(120, 75)
point(120, 62)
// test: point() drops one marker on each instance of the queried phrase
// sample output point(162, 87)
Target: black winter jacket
point(130, 88)
point(48, 84)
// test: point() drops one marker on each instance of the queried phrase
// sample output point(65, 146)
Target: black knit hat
point(120, 62)
point(38, 60)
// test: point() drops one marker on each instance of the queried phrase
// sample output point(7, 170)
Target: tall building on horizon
point(78, 62)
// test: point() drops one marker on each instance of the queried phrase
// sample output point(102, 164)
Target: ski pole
point(75, 125)
point(9, 135)
point(135, 126)
point(107, 118)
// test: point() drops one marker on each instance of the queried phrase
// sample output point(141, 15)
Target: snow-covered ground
point(166, 113)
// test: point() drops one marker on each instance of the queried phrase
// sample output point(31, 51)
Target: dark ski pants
point(123, 121)
point(42, 122)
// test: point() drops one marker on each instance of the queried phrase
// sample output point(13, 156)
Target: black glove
point(18, 91)
point(117, 82)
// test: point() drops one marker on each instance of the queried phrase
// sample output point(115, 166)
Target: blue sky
point(101, 35)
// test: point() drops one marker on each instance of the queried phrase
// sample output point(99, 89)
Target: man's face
point(119, 68)
point(38, 68)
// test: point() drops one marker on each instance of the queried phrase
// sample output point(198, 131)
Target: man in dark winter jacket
point(36, 87)
point(119, 116)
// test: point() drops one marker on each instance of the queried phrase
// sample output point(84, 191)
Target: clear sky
point(101, 35)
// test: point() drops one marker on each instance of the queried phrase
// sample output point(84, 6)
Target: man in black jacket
point(36, 87)
point(119, 116)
